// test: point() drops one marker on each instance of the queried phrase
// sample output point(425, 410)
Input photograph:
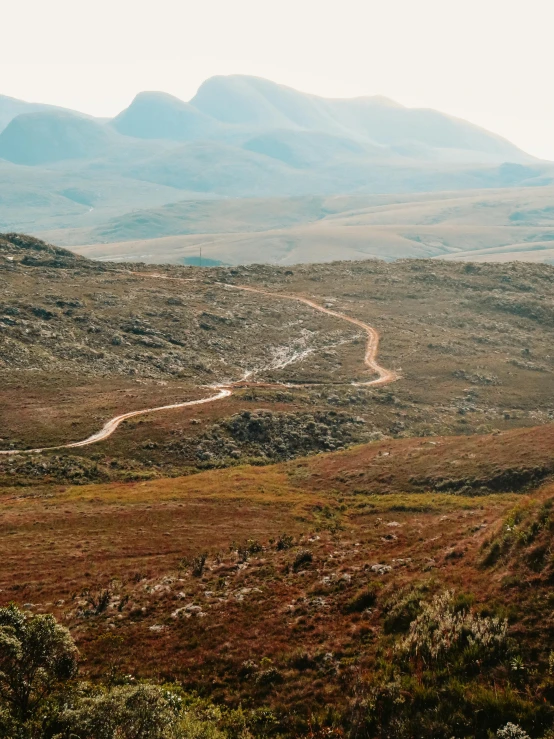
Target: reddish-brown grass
point(351, 510)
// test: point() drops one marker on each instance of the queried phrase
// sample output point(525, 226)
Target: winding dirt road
point(384, 376)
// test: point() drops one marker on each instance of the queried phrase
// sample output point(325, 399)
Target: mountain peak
point(159, 115)
point(52, 135)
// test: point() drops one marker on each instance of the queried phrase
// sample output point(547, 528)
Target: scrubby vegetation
point(313, 595)
point(41, 696)
point(306, 558)
point(472, 344)
point(524, 540)
point(431, 679)
point(267, 436)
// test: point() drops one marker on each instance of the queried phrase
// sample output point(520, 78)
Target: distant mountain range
point(255, 115)
point(239, 137)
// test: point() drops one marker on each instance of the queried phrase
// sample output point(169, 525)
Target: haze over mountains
point(257, 115)
point(239, 137)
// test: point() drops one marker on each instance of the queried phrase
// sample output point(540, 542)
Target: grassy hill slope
point(297, 590)
point(329, 559)
point(490, 224)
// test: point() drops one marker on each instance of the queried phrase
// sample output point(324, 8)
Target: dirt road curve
point(384, 376)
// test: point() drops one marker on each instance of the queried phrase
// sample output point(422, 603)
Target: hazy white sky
point(490, 61)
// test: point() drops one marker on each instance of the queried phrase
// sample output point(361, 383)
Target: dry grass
point(481, 225)
point(293, 549)
point(63, 545)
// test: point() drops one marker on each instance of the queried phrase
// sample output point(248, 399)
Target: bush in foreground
point(40, 697)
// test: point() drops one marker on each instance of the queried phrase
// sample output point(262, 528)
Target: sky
point(488, 61)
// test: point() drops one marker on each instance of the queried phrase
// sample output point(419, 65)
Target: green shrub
point(512, 731)
point(125, 712)
point(250, 547)
point(39, 698)
point(285, 541)
point(302, 560)
point(403, 608)
point(269, 676)
point(364, 599)
point(493, 554)
point(37, 656)
point(198, 564)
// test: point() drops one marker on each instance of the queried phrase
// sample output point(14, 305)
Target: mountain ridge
point(238, 137)
point(259, 97)
point(235, 108)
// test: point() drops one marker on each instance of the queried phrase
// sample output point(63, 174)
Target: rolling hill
point(10, 108)
point(485, 224)
point(307, 555)
point(157, 115)
point(51, 136)
point(87, 180)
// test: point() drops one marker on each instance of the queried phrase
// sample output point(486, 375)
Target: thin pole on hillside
point(200, 256)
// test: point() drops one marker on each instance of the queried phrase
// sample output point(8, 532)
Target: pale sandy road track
point(111, 425)
point(384, 376)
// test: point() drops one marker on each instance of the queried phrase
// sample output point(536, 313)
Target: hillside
point(481, 225)
point(217, 167)
point(71, 177)
point(156, 115)
point(49, 137)
point(44, 137)
point(118, 340)
point(236, 107)
point(252, 101)
point(308, 553)
point(10, 108)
